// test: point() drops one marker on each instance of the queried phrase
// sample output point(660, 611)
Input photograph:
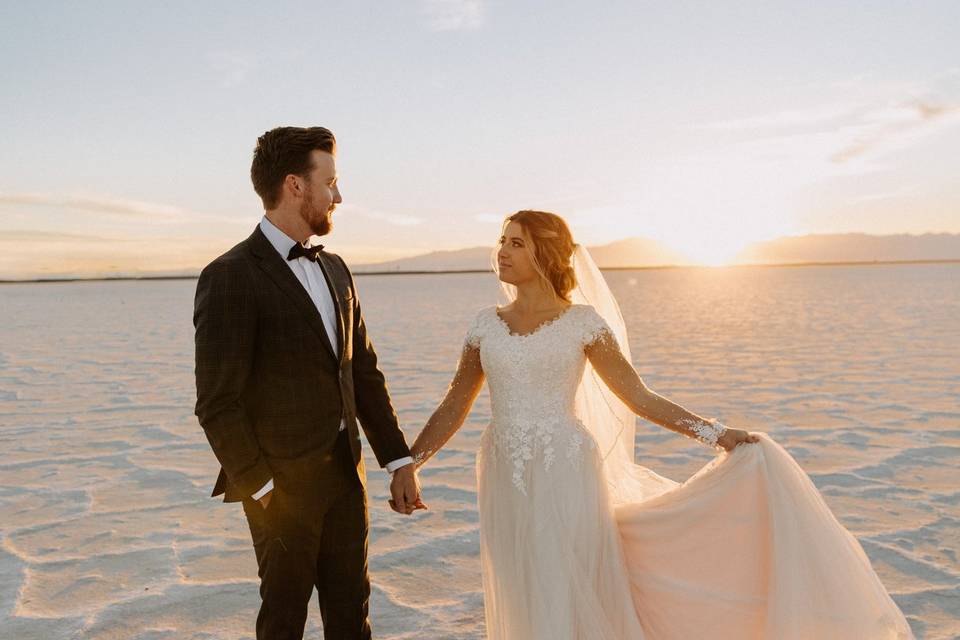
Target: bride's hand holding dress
point(732, 437)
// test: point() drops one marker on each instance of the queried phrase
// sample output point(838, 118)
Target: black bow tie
point(299, 251)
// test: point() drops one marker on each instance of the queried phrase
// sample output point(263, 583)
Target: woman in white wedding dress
point(580, 543)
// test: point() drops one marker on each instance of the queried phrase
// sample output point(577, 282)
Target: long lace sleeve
point(456, 404)
point(603, 351)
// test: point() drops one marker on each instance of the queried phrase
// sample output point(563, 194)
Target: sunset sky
point(128, 128)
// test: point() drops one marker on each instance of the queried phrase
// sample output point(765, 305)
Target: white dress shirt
point(311, 277)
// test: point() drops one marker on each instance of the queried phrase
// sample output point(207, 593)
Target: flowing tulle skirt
point(745, 548)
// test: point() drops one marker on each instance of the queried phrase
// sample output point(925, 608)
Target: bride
point(577, 542)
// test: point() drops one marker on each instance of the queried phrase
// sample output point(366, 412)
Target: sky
point(128, 128)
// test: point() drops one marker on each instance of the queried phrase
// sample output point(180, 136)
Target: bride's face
point(514, 261)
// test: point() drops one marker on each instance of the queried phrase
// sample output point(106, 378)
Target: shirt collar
point(280, 241)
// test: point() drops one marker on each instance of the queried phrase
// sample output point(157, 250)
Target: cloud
point(100, 204)
point(846, 135)
point(898, 126)
point(452, 15)
point(40, 235)
point(835, 140)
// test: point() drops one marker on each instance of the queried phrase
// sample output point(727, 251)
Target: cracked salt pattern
point(108, 531)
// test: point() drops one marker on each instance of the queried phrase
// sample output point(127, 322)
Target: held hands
point(405, 489)
point(732, 437)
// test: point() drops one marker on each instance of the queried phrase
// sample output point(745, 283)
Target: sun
point(714, 236)
point(711, 252)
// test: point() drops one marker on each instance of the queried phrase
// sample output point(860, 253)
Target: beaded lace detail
point(533, 379)
point(706, 431)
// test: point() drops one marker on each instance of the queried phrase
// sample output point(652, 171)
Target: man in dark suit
point(284, 370)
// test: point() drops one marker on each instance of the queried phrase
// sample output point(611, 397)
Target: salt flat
point(108, 531)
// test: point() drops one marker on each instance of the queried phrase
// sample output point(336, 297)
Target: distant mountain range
point(853, 247)
point(621, 253)
point(125, 263)
point(643, 252)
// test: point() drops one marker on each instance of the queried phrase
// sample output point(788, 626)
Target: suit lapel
point(325, 267)
point(272, 264)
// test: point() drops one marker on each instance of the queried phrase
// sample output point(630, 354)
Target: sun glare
point(711, 251)
point(716, 238)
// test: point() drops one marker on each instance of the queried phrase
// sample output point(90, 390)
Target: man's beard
point(318, 221)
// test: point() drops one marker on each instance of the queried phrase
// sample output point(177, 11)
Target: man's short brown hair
point(284, 151)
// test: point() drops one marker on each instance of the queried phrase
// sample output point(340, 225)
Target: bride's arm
point(453, 410)
point(620, 376)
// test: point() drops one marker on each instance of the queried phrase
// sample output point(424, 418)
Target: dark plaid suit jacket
point(271, 391)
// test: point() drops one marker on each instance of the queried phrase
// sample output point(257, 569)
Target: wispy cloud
point(452, 15)
point(898, 125)
point(40, 235)
point(96, 204)
point(820, 148)
point(100, 204)
point(856, 122)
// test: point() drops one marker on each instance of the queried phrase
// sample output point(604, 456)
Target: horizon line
point(829, 263)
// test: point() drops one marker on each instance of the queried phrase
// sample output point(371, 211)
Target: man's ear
point(293, 185)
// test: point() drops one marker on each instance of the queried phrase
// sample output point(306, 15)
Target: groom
point(284, 369)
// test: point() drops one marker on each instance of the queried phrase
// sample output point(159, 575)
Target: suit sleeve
point(374, 408)
point(225, 319)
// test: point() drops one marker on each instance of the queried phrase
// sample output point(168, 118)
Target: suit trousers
point(307, 541)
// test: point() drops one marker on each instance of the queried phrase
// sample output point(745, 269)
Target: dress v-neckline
point(535, 330)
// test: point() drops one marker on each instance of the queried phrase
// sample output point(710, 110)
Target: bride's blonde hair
point(551, 247)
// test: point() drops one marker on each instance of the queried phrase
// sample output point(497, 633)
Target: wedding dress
point(745, 548)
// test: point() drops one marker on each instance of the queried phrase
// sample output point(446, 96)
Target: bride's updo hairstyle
point(550, 243)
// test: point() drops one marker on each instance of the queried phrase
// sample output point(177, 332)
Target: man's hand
point(405, 489)
point(732, 437)
point(265, 498)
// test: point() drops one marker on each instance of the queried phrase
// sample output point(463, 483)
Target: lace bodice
point(534, 376)
point(533, 379)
